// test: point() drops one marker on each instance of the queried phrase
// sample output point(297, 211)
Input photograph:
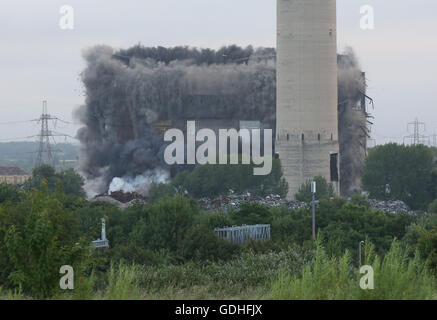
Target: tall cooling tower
point(307, 97)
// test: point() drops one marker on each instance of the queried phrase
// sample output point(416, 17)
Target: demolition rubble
point(232, 201)
point(121, 199)
point(392, 206)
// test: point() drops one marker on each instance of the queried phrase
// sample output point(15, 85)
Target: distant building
point(13, 175)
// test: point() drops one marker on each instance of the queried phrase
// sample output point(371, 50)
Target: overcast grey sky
point(40, 61)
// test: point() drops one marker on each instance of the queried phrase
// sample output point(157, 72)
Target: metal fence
point(243, 233)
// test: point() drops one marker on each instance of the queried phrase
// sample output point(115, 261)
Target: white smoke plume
point(140, 183)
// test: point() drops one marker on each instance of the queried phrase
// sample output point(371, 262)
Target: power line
point(417, 137)
point(45, 150)
point(19, 138)
point(13, 122)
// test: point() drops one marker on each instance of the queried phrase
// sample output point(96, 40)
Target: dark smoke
point(127, 92)
point(130, 92)
point(352, 118)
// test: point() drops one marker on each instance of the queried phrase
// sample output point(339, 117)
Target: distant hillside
point(22, 154)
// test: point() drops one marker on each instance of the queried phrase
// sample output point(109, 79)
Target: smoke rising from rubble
point(130, 92)
point(140, 183)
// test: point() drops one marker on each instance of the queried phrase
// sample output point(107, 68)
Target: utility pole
point(313, 191)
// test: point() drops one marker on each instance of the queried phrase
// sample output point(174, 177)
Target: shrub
point(211, 180)
point(323, 190)
point(329, 278)
point(360, 200)
point(432, 208)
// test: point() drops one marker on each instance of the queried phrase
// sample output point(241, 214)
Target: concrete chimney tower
point(307, 97)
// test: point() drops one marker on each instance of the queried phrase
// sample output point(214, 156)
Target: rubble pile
point(233, 201)
point(124, 200)
point(125, 197)
point(392, 206)
point(121, 199)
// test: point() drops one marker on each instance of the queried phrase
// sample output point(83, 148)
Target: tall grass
point(250, 270)
point(15, 294)
point(399, 277)
point(123, 283)
point(290, 274)
point(329, 278)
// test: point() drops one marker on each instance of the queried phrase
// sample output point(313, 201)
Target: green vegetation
point(72, 183)
point(323, 190)
point(212, 180)
point(335, 278)
point(432, 208)
point(167, 249)
point(399, 172)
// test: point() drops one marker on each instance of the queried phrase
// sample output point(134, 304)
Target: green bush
point(432, 208)
point(211, 180)
point(251, 213)
point(427, 245)
point(36, 243)
point(360, 200)
point(409, 171)
point(10, 193)
point(330, 278)
point(72, 182)
point(323, 190)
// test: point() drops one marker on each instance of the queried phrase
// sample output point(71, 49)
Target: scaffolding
point(243, 233)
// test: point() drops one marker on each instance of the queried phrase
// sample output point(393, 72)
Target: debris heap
point(121, 199)
point(392, 206)
point(233, 201)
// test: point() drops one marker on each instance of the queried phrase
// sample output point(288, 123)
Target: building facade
point(13, 175)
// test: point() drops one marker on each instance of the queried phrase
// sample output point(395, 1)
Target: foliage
point(10, 193)
point(247, 270)
point(160, 190)
point(251, 213)
point(72, 182)
point(202, 244)
point(331, 278)
point(39, 242)
point(123, 283)
point(427, 245)
point(349, 224)
point(211, 180)
point(170, 245)
point(399, 172)
point(360, 200)
point(323, 190)
point(432, 208)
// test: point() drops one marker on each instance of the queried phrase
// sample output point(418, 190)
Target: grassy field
point(292, 274)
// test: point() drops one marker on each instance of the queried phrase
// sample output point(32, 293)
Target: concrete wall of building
point(307, 97)
point(17, 180)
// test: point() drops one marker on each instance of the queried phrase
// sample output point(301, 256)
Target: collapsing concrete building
point(354, 123)
point(134, 95)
